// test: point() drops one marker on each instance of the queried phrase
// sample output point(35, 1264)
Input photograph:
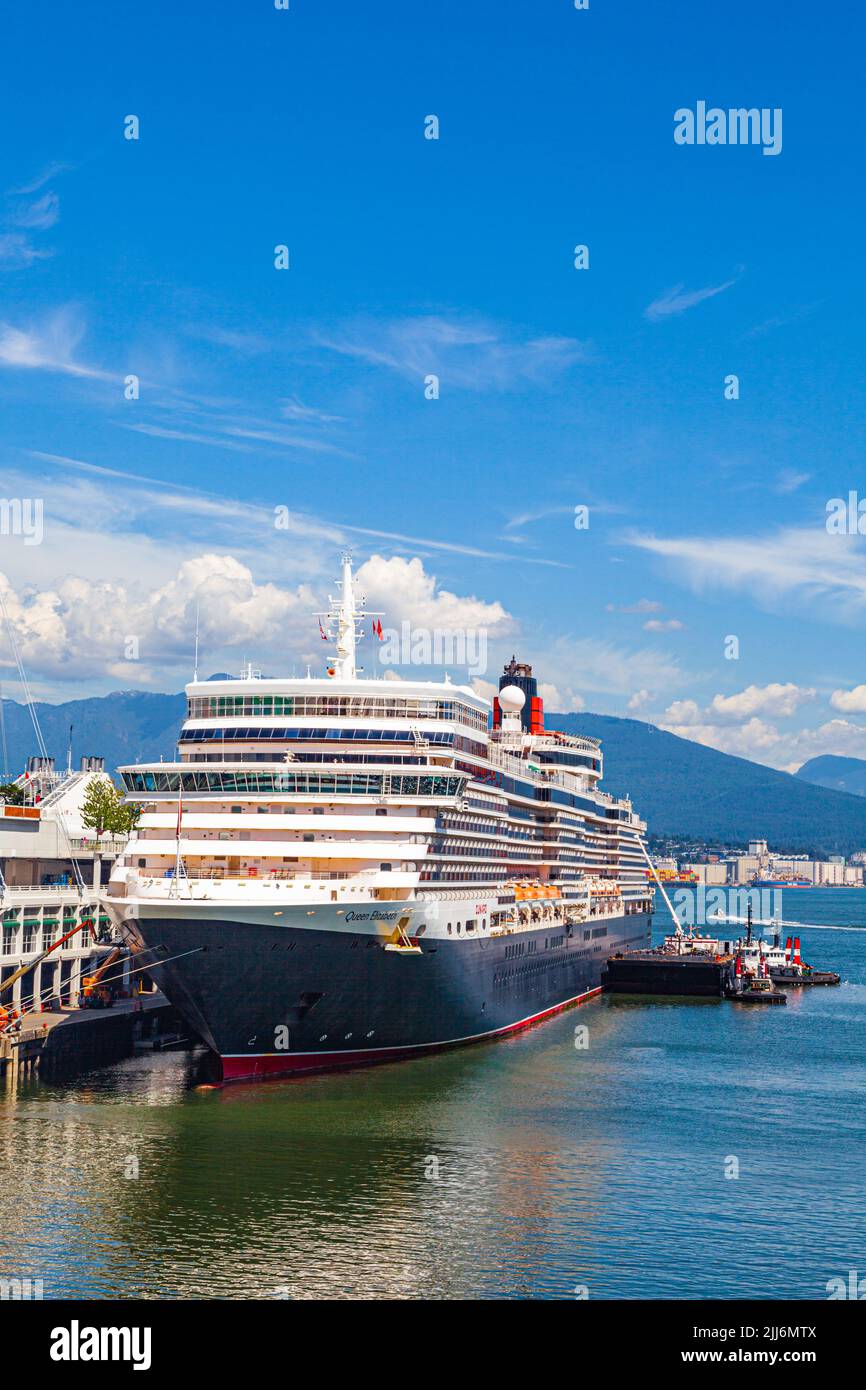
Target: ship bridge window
point(294, 783)
point(386, 868)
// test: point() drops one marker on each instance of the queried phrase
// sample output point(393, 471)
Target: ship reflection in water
point(526, 1168)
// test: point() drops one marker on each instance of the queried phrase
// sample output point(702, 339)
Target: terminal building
point(52, 876)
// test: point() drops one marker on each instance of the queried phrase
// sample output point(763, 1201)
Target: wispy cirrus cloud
point(140, 497)
point(789, 480)
point(643, 605)
point(48, 173)
point(219, 431)
point(50, 345)
point(235, 339)
point(783, 320)
point(39, 215)
point(17, 250)
point(677, 300)
point(472, 354)
point(804, 562)
point(293, 409)
point(185, 436)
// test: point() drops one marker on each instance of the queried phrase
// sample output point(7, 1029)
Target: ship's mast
point(346, 614)
point(347, 631)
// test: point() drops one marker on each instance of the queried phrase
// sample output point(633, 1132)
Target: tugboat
point(752, 982)
point(785, 965)
point(755, 989)
point(791, 969)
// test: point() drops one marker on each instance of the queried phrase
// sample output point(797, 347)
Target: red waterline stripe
point(254, 1066)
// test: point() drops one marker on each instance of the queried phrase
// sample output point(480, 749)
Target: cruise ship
point(344, 870)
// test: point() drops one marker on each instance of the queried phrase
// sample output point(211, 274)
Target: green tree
point(126, 817)
point(103, 808)
point(12, 794)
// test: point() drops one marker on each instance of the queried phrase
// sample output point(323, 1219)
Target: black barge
point(689, 975)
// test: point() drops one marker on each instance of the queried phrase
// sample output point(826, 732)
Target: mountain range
point(842, 774)
point(682, 789)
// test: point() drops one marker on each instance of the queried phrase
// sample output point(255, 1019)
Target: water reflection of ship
point(318, 1188)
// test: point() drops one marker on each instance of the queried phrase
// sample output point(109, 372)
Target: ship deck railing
point(46, 888)
point(108, 844)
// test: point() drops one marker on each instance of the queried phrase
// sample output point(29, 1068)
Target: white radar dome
point(512, 698)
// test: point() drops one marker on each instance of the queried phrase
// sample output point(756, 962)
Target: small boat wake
point(720, 917)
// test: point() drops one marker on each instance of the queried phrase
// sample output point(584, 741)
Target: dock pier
point(69, 1040)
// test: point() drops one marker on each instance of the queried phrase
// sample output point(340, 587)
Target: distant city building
point(761, 864)
point(710, 874)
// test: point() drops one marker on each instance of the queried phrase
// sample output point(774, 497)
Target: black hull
point(271, 999)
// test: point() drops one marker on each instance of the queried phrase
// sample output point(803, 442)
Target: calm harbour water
point(558, 1167)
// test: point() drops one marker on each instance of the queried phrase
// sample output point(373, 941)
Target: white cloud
point(732, 723)
point(850, 701)
point(789, 480)
point(73, 614)
point(663, 625)
point(803, 562)
point(679, 299)
point(754, 739)
point(643, 605)
point(82, 626)
point(17, 250)
point(682, 713)
point(51, 347)
point(486, 689)
point(780, 701)
point(564, 701)
point(764, 743)
point(237, 340)
point(51, 171)
point(468, 353)
point(293, 409)
point(603, 668)
point(39, 215)
point(407, 592)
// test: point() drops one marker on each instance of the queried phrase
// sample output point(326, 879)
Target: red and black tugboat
point(752, 984)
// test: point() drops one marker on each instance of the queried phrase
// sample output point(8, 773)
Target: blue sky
point(558, 388)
